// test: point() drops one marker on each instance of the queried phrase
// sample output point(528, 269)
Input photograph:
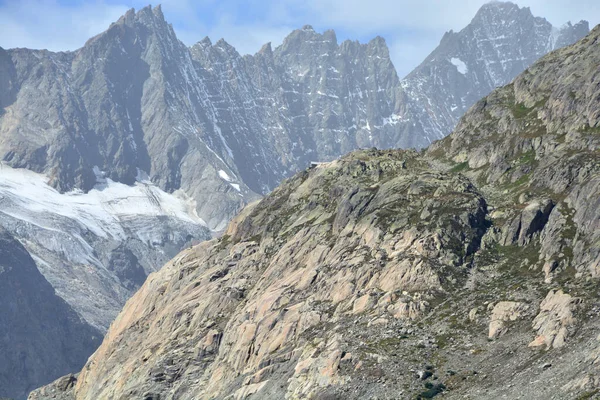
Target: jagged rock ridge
point(501, 41)
point(394, 273)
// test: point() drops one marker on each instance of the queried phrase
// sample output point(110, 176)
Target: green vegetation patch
point(588, 395)
point(460, 167)
point(589, 130)
point(527, 158)
point(520, 111)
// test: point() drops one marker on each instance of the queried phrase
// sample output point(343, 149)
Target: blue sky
point(411, 28)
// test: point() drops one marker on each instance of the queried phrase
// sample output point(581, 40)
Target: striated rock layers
point(377, 275)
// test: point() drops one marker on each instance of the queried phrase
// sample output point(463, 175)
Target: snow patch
point(553, 39)
point(393, 119)
point(225, 176)
point(142, 177)
point(26, 195)
point(460, 65)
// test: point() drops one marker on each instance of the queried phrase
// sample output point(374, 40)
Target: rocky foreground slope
point(469, 269)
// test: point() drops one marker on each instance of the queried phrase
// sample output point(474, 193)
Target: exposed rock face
point(536, 141)
point(531, 220)
point(355, 279)
point(501, 41)
point(42, 337)
point(555, 319)
point(502, 313)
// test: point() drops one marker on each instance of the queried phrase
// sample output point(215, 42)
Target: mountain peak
point(206, 42)
point(146, 15)
point(266, 49)
point(503, 9)
point(158, 12)
point(126, 18)
point(499, 5)
point(223, 45)
point(314, 42)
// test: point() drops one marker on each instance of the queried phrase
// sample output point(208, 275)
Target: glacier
point(103, 242)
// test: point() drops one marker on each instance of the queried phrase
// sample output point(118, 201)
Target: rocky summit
point(501, 41)
point(469, 270)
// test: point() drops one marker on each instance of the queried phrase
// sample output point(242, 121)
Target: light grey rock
point(503, 312)
point(554, 323)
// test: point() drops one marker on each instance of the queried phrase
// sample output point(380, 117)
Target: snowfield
point(101, 210)
point(96, 248)
point(460, 65)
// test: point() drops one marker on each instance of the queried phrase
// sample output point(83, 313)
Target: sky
point(411, 28)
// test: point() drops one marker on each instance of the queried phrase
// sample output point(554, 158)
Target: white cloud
point(45, 24)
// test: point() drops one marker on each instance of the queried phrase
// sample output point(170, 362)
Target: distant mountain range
point(134, 98)
point(118, 155)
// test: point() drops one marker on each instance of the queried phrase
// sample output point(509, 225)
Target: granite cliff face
point(42, 337)
point(470, 269)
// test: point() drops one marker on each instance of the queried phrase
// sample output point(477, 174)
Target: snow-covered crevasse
point(103, 242)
